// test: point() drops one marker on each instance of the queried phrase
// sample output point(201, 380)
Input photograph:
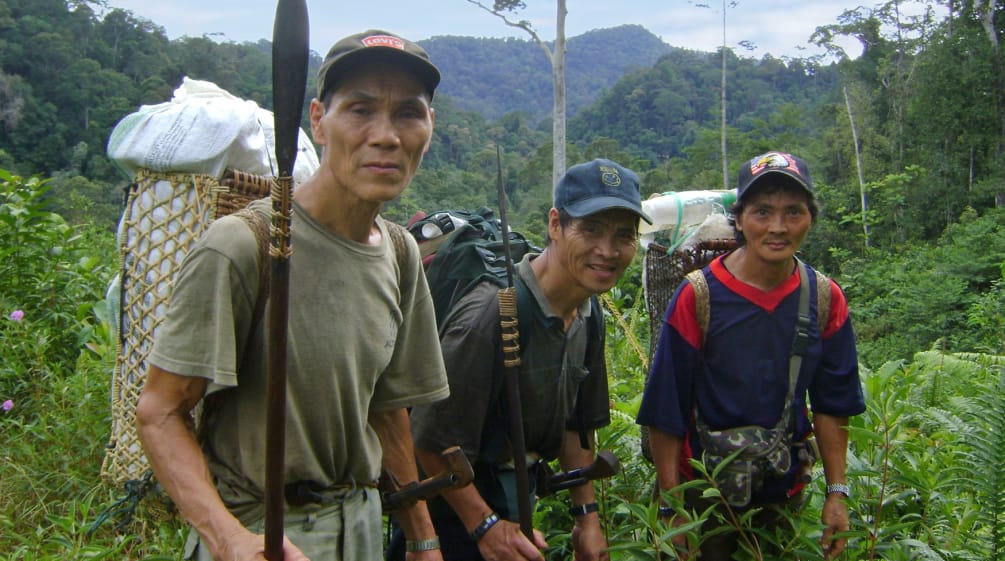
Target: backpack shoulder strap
point(397, 233)
point(701, 306)
point(259, 224)
point(823, 300)
point(527, 312)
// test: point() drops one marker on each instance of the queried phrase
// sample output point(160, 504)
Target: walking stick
point(511, 362)
point(290, 52)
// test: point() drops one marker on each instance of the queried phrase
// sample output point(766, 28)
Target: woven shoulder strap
point(259, 224)
point(397, 233)
point(701, 299)
point(823, 301)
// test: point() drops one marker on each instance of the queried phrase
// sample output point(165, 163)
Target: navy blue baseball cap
point(599, 185)
point(772, 164)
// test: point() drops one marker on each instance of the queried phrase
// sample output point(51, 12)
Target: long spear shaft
point(509, 319)
point(290, 53)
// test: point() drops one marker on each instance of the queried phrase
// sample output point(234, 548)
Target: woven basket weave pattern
point(165, 214)
point(664, 272)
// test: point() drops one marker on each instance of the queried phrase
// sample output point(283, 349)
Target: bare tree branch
point(525, 25)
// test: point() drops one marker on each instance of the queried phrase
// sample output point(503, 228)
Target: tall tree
point(858, 164)
point(722, 92)
point(987, 12)
point(504, 9)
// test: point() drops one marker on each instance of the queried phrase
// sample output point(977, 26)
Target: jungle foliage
point(923, 264)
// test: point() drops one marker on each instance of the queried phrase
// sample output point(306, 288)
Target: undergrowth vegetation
point(924, 460)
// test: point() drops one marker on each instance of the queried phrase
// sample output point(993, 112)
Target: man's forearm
point(394, 430)
point(572, 456)
point(832, 438)
point(469, 505)
point(666, 457)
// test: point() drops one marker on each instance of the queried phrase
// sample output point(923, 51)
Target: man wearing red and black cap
point(724, 367)
point(362, 336)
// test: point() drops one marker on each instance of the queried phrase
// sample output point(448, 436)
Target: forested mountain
point(926, 99)
point(657, 112)
point(498, 76)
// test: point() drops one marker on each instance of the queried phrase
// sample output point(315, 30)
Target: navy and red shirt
point(738, 373)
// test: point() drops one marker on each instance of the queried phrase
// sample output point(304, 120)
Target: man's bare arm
point(394, 430)
point(666, 457)
point(588, 540)
point(166, 430)
point(832, 438)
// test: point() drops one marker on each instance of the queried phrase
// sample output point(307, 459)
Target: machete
point(605, 465)
point(511, 362)
point(290, 52)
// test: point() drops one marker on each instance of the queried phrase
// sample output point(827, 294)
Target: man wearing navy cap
point(592, 236)
point(731, 375)
point(362, 336)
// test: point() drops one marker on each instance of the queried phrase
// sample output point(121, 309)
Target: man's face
point(374, 130)
point(596, 249)
point(775, 224)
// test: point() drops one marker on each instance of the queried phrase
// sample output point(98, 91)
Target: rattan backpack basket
point(165, 214)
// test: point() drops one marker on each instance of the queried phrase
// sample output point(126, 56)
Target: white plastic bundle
point(676, 215)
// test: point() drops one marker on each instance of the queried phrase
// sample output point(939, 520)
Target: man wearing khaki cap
point(362, 336)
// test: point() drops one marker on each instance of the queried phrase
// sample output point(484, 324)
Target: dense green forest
point(905, 143)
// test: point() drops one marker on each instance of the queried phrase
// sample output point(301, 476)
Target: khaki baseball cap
point(375, 44)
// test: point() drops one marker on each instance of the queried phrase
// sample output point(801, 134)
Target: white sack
point(204, 129)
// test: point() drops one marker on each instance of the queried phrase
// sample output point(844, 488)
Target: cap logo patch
point(383, 41)
point(773, 160)
point(609, 176)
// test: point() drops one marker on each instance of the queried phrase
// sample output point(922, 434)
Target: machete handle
point(606, 464)
point(458, 474)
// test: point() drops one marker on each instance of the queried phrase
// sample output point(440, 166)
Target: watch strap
point(583, 509)
point(422, 545)
point(842, 488)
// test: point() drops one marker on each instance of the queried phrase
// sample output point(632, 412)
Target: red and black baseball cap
point(772, 164)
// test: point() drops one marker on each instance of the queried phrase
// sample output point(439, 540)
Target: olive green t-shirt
point(361, 338)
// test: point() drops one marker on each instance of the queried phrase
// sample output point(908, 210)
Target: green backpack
point(461, 249)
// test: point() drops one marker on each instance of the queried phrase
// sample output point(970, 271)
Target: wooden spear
point(508, 318)
point(290, 53)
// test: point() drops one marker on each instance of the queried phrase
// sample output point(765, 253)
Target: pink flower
point(17, 315)
point(7, 405)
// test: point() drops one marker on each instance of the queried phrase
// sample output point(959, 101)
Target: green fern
point(985, 458)
point(976, 422)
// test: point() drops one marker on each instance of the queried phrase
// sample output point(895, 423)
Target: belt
point(306, 492)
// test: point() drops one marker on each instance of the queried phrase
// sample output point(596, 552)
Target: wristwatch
point(580, 510)
point(422, 545)
point(842, 488)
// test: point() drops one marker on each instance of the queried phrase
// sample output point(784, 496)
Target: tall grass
point(55, 360)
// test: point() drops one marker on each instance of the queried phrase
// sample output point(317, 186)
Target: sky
point(778, 27)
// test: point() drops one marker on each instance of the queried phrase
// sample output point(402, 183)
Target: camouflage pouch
point(761, 453)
